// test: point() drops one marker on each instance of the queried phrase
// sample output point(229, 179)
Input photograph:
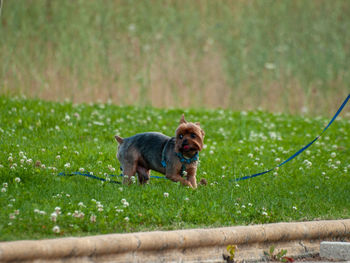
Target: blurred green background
point(289, 55)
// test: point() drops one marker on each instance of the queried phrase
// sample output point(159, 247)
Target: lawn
point(40, 139)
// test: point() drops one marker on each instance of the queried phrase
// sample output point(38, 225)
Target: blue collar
point(184, 160)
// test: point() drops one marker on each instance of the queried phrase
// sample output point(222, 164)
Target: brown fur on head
point(188, 138)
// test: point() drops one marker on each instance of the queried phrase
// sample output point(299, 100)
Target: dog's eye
point(193, 136)
point(181, 136)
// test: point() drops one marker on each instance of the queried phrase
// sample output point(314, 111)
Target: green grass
point(313, 186)
point(231, 54)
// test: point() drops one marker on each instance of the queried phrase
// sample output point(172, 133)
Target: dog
point(176, 157)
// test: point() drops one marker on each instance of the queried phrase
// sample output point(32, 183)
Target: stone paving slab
point(193, 245)
point(335, 250)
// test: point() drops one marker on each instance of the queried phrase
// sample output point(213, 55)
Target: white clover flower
point(277, 160)
point(308, 163)
point(56, 229)
point(270, 66)
point(76, 115)
point(10, 159)
point(81, 169)
point(42, 212)
point(12, 216)
point(133, 179)
point(250, 204)
point(5, 185)
point(76, 152)
point(76, 213)
point(264, 213)
point(166, 194)
point(58, 157)
point(187, 199)
point(67, 165)
point(250, 155)
point(58, 210)
point(126, 219)
point(29, 161)
point(36, 211)
point(132, 27)
point(295, 208)
point(123, 201)
point(81, 204)
point(3, 190)
point(17, 180)
point(126, 204)
point(93, 218)
point(54, 217)
point(119, 210)
point(120, 189)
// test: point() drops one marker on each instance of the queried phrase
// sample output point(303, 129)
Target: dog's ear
point(119, 139)
point(198, 124)
point(182, 120)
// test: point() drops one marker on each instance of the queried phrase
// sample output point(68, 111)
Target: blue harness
point(183, 160)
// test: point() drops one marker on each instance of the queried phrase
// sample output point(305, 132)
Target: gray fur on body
point(151, 146)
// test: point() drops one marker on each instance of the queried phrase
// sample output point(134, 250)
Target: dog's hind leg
point(143, 174)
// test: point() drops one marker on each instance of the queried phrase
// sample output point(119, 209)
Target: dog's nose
point(185, 142)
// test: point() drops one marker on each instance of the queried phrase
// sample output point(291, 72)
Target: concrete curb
point(194, 245)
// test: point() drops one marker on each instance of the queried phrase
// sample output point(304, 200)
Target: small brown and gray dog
point(176, 157)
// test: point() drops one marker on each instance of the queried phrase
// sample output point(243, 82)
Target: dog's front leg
point(191, 176)
point(175, 177)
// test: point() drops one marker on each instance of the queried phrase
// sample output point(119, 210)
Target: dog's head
point(189, 138)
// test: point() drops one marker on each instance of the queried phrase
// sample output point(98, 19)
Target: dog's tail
point(119, 139)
